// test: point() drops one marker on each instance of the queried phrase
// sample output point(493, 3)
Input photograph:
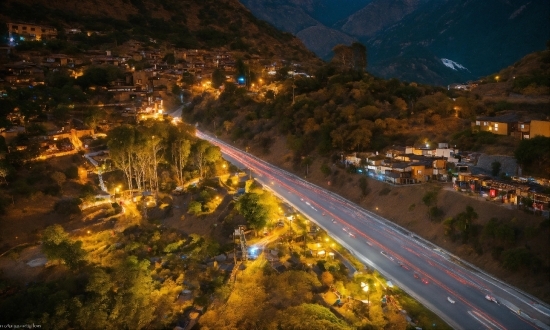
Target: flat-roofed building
point(31, 31)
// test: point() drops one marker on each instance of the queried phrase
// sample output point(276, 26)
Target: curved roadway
point(426, 272)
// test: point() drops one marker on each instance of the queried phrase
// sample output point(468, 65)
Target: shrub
point(384, 192)
point(71, 172)
point(68, 206)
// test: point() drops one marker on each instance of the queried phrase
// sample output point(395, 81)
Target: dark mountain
point(429, 41)
point(378, 15)
point(310, 20)
point(482, 36)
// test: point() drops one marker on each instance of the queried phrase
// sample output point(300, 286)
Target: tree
point(364, 186)
point(250, 208)
point(218, 78)
point(199, 149)
point(93, 117)
point(4, 172)
point(58, 177)
point(181, 149)
point(430, 199)
point(534, 154)
point(327, 278)
point(121, 142)
point(495, 168)
point(195, 208)
point(227, 125)
point(57, 245)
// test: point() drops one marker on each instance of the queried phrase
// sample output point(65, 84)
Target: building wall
point(32, 31)
point(539, 127)
point(493, 127)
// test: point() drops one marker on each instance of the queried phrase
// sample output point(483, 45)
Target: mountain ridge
point(482, 36)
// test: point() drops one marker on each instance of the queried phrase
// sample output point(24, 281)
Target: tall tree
point(181, 149)
point(251, 209)
point(121, 145)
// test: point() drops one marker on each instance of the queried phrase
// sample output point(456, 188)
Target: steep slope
point(321, 39)
point(378, 15)
point(419, 40)
point(309, 20)
point(185, 23)
point(284, 15)
point(482, 36)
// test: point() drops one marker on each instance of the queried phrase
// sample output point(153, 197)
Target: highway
point(428, 273)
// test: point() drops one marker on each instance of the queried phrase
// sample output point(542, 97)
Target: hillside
point(527, 79)
point(411, 39)
point(185, 24)
point(481, 36)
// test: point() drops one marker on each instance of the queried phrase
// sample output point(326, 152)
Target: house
point(539, 128)
point(523, 130)
point(27, 31)
point(421, 171)
point(450, 154)
point(500, 125)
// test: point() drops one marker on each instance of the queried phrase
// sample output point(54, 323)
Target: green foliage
point(518, 258)
point(325, 169)
point(435, 213)
point(499, 232)
point(534, 154)
point(57, 245)
point(252, 210)
point(195, 208)
point(430, 198)
point(309, 317)
point(469, 140)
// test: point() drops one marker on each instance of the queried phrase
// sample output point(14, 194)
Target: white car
point(450, 300)
point(491, 298)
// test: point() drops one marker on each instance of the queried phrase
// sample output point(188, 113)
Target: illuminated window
point(496, 126)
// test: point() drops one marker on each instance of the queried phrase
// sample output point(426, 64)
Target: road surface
point(428, 273)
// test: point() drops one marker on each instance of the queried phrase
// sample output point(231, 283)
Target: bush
point(364, 185)
point(195, 208)
point(384, 192)
point(67, 206)
point(515, 259)
point(71, 172)
point(325, 169)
